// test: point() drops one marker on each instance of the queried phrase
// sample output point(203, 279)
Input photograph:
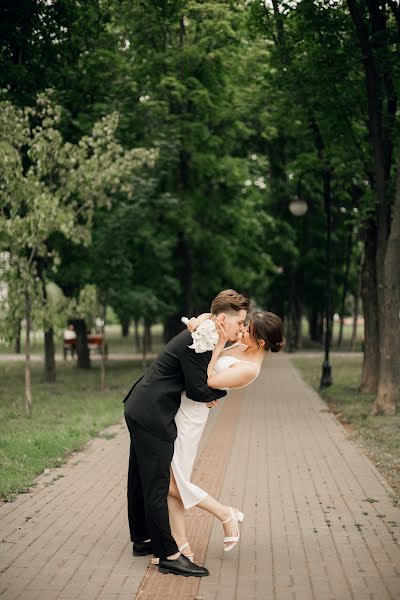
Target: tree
point(187, 58)
point(51, 187)
point(375, 24)
point(303, 136)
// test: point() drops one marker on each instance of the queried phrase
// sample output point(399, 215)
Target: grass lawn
point(65, 415)
point(379, 436)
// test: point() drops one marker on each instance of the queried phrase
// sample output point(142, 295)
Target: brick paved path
point(68, 537)
point(311, 530)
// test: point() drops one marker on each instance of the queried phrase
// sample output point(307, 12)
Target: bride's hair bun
point(277, 346)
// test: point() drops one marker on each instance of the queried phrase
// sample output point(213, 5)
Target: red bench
point(95, 342)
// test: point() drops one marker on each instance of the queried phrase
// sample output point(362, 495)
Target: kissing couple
point(166, 411)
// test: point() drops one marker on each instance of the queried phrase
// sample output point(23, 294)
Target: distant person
point(69, 341)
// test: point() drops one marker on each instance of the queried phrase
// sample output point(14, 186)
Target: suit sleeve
point(194, 367)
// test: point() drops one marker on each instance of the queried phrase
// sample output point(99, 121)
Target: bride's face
point(246, 339)
point(234, 323)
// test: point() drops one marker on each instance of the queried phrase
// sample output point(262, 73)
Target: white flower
point(205, 337)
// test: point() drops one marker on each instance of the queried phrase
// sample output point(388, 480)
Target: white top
point(69, 334)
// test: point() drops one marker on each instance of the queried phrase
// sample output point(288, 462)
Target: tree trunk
point(28, 385)
point(49, 356)
point(312, 324)
point(290, 332)
point(144, 350)
point(17, 347)
point(326, 377)
point(294, 321)
point(345, 285)
point(287, 331)
point(173, 326)
point(82, 348)
point(125, 327)
point(184, 259)
point(326, 175)
point(382, 108)
point(103, 350)
point(297, 317)
point(370, 370)
point(316, 322)
point(147, 335)
point(356, 311)
point(320, 327)
point(355, 320)
point(49, 350)
point(389, 366)
point(276, 151)
point(138, 345)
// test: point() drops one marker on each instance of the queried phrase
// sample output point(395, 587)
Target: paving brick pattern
point(310, 532)
point(68, 537)
point(319, 524)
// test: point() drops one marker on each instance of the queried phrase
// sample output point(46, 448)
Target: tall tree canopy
point(245, 106)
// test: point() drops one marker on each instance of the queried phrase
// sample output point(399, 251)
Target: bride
point(233, 367)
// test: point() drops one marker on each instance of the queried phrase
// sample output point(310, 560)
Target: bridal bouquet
point(204, 337)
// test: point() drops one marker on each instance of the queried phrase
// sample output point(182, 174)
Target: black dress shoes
point(142, 548)
point(182, 566)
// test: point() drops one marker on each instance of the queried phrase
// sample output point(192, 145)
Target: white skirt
point(190, 420)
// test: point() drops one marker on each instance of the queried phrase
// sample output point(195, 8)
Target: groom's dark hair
point(229, 301)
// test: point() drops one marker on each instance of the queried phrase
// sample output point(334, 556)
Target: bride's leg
point(177, 515)
point(177, 518)
point(222, 513)
point(215, 508)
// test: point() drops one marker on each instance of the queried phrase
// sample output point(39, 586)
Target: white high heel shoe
point(238, 517)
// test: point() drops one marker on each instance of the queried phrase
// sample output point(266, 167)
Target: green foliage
point(240, 105)
point(49, 187)
point(190, 102)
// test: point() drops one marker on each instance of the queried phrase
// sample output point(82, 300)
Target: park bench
point(95, 342)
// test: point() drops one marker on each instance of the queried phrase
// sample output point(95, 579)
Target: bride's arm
point(214, 357)
point(236, 376)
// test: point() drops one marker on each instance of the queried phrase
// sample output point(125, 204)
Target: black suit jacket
point(154, 399)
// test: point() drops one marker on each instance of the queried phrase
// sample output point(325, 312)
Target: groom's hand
point(211, 404)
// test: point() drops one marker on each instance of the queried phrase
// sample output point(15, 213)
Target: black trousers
point(148, 484)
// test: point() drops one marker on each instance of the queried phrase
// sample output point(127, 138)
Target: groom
point(150, 408)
